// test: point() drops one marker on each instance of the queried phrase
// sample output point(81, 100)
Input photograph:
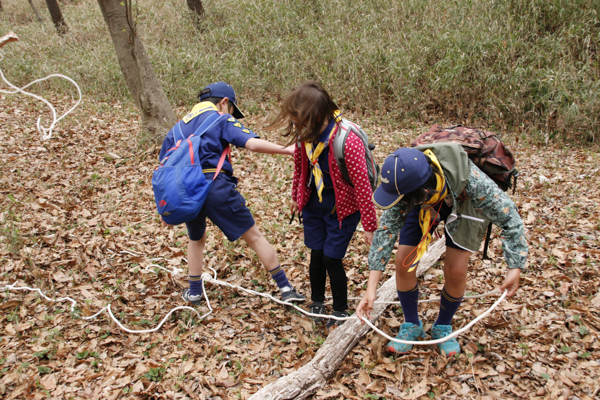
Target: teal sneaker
point(408, 331)
point(450, 347)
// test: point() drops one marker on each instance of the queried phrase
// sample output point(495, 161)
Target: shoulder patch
point(231, 119)
point(245, 130)
point(237, 125)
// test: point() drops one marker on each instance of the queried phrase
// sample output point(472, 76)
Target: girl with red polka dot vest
point(331, 207)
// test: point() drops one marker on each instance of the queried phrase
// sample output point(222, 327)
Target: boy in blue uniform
point(225, 206)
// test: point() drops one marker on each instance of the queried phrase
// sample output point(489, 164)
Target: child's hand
point(511, 282)
point(9, 37)
point(290, 149)
point(365, 307)
point(293, 207)
point(368, 236)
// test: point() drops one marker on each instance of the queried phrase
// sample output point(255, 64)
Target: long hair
point(305, 109)
point(425, 192)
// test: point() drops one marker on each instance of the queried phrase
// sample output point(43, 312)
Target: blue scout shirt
point(214, 140)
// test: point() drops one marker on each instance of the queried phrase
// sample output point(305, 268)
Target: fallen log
point(307, 380)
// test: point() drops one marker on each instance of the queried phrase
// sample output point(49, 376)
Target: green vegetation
point(523, 65)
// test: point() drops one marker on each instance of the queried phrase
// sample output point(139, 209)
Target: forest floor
point(77, 219)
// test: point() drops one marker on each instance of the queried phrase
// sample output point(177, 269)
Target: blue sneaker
point(408, 331)
point(450, 347)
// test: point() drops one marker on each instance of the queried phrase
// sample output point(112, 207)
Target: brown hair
point(310, 106)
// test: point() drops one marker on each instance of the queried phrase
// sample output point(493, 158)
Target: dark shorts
point(322, 228)
point(225, 207)
point(411, 233)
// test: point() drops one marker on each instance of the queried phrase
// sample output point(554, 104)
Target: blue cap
point(403, 171)
point(222, 89)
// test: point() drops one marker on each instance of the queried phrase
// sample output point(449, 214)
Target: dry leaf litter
point(77, 219)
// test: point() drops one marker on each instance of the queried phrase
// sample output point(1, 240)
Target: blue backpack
point(180, 187)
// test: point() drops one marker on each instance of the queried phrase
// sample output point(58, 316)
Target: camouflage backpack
point(484, 148)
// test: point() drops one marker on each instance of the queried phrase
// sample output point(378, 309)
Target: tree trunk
point(307, 380)
point(197, 12)
point(57, 17)
point(37, 14)
point(157, 114)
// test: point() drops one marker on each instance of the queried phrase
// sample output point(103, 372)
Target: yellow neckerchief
point(314, 153)
point(199, 109)
point(425, 215)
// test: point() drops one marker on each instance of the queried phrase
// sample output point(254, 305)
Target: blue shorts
point(411, 233)
point(225, 207)
point(322, 228)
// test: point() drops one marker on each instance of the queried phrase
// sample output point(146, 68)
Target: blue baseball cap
point(222, 90)
point(403, 171)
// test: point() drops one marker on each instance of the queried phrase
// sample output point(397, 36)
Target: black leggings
point(320, 265)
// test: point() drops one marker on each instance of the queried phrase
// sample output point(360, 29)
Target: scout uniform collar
point(198, 109)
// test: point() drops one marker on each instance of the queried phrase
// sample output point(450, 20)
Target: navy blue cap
point(403, 171)
point(221, 90)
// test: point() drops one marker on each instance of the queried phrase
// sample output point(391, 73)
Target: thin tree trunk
point(307, 380)
point(37, 14)
point(157, 114)
point(196, 7)
point(57, 17)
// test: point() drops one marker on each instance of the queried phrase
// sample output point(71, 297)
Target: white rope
point(213, 279)
point(107, 309)
point(175, 271)
point(45, 132)
point(441, 340)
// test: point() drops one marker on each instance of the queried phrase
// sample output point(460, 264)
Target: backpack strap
point(488, 235)
point(178, 130)
point(204, 126)
point(338, 145)
point(207, 124)
point(226, 151)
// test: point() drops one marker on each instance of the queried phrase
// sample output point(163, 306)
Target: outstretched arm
point(9, 37)
point(502, 211)
point(263, 146)
point(365, 306)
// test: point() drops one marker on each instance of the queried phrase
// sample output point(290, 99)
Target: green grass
point(527, 65)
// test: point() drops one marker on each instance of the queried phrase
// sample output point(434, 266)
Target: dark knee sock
point(410, 304)
point(195, 284)
point(278, 275)
point(318, 276)
point(448, 307)
point(338, 282)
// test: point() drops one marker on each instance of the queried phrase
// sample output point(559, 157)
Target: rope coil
point(45, 132)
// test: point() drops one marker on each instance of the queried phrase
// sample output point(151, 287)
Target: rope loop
point(206, 277)
point(45, 132)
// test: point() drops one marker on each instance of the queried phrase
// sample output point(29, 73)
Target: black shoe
point(317, 307)
point(195, 299)
point(334, 322)
point(289, 294)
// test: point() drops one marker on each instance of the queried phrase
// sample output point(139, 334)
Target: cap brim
point(384, 200)
point(236, 111)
